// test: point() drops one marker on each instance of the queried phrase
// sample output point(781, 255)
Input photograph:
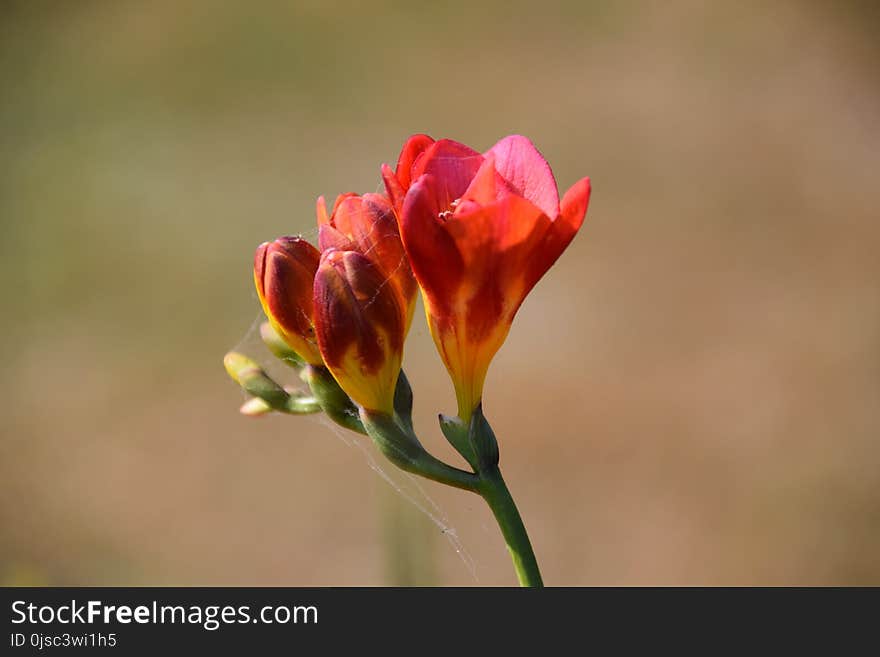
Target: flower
point(284, 272)
point(480, 230)
point(360, 324)
point(367, 224)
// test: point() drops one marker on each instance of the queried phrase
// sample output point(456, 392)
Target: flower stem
point(494, 491)
point(400, 445)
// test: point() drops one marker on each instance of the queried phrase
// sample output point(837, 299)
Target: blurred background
point(690, 396)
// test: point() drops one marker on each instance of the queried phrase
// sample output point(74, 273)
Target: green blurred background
point(691, 396)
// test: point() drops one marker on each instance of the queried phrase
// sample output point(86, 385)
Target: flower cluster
point(474, 231)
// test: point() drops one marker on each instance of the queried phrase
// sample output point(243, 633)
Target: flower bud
point(360, 327)
point(251, 377)
point(284, 272)
point(367, 224)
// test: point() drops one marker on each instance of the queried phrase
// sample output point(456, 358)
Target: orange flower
point(284, 271)
point(480, 231)
point(360, 324)
point(367, 224)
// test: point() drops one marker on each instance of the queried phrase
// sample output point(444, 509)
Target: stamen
point(447, 214)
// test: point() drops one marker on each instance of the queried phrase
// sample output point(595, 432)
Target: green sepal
point(400, 446)
point(336, 404)
point(482, 440)
point(457, 433)
point(279, 348)
point(403, 402)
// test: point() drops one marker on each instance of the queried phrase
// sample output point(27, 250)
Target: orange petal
point(321, 211)
point(574, 204)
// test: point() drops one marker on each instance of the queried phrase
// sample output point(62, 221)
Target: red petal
point(337, 320)
point(260, 269)
point(285, 270)
point(453, 166)
point(562, 231)
point(412, 149)
point(393, 188)
point(520, 163)
point(340, 199)
point(330, 238)
point(487, 185)
point(484, 231)
point(433, 254)
point(350, 302)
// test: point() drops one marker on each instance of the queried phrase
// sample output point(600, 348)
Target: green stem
point(436, 470)
point(401, 446)
point(494, 491)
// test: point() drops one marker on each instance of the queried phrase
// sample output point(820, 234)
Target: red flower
point(361, 324)
point(480, 231)
point(284, 271)
point(367, 224)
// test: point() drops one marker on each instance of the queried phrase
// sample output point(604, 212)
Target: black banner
point(396, 621)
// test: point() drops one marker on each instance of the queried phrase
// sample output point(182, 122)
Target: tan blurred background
point(691, 396)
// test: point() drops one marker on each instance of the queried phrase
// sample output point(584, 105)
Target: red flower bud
point(367, 224)
point(480, 231)
point(284, 272)
point(360, 325)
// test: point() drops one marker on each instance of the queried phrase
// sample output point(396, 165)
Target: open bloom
point(367, 224)
point(480, 231)
point(360, 324)
point(284, 273)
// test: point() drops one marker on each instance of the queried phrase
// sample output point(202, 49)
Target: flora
point(474, 232)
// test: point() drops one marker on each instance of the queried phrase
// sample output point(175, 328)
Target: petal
point(288, 271)
point(330, 238)
point(574, 204)
point(412, 149)
point(321, 212)
point(284, 271)
point(369, 222)
point(562, 231)
point(396, 192)
point(485, 231)
point(360, 325)
point(260, 269)
point(383, 244)
point(340, 199)
point(433, 254)
point(339, 317)
point(487, 186)
point(453, 166)
point(520, 163)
